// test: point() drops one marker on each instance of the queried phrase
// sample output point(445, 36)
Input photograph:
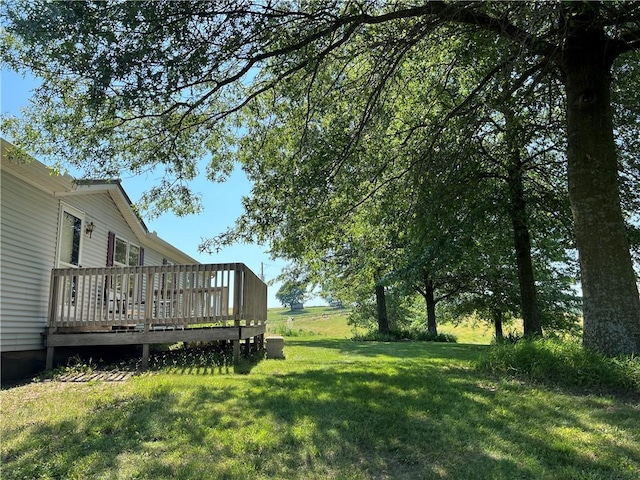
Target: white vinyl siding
point(152, 257)
point(28, 228)
point(29, 232)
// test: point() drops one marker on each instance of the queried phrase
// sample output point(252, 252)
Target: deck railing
point(153, 296)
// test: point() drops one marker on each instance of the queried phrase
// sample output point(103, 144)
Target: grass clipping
point(567, 364)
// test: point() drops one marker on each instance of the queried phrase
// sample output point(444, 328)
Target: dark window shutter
point(141, 258)
point(111, 247)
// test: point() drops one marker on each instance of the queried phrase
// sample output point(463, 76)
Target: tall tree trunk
point(427, 290)
point(522, 245)
point(381, 304)
point(430, 301)
point(610, 294)
point(497, 324)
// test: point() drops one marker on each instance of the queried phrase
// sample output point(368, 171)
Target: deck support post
point(49, 362)
point(236, 351)
point(50, 350)
point(145, 356)
point(145, 350)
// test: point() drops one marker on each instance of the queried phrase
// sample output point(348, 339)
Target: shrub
point(510, 338)
point(375, 336)
point(440, 337)
point(287, 331)
point(563, 363)
point(75, 365)
point(214, 354)
point(399, 335)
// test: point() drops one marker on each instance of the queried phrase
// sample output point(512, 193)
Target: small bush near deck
point(75, 365)
point(563, 363)
point(211, 355)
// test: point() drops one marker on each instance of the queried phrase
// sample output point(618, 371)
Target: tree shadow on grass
point(293, 313)
point(401, 349)
point(421, 423)
point(128, 437)
point(363, 420)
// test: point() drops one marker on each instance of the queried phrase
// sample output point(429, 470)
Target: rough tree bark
point(610, 295)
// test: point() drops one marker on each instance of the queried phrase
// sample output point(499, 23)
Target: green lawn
point(333, 409)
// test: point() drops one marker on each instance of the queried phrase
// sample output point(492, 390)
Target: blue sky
point(221, 201)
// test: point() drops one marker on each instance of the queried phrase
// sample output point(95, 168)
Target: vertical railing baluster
point(53, 300)
point(217, 303)
point(80, 293)
point(237, 295)
point(148, 315)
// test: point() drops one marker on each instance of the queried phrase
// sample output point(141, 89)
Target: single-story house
point(52, 223)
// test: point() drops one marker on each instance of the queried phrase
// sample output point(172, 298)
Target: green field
point(312, 321)
point(332, 409)
point(331, 322)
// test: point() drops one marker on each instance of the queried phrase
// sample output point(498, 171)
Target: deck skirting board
point(252, 331)
point(152, 336)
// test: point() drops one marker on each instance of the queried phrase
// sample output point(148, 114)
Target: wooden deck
point(155, 304)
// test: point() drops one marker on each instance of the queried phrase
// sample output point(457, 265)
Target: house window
point(69, 247)
point(126, 254)
point(70, 239)
point(69, 236)
point(134, 255)
point(122, 253)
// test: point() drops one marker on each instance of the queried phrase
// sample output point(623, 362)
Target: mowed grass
point(333, 409)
